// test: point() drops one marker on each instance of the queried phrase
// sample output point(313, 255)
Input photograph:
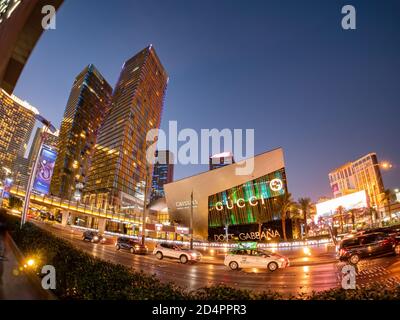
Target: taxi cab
point(237, 259)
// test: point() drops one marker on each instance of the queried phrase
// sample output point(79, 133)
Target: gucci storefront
point(225, 203)
point(249, 212)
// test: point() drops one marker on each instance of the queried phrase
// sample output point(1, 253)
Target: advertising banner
point(45, 170)
point(7, 187)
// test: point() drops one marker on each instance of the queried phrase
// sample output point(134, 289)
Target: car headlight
point(96, 238)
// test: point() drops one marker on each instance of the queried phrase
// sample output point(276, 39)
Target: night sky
point(285, 68)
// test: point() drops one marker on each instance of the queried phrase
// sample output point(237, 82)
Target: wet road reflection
point(292, 280)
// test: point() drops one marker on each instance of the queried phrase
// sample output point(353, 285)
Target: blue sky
point(285, 68)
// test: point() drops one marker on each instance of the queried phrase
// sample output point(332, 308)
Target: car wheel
point(354, 259)
point(118, 247)
point(233, 265)
point(132, 250)
point(397, 249)
point(183, 259)
point(159, 255)
point(272, 266)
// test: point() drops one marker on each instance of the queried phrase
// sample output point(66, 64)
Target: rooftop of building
point(21, 102)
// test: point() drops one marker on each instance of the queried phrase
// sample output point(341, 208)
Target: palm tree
point(284, 204)
point(388, 197)
point(261, 217)
point(305, 205)
point(353, 217)
point(341, 210)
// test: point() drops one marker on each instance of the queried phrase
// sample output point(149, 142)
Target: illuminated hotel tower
point(17, 119)
point(117, 176)
point(88, 103)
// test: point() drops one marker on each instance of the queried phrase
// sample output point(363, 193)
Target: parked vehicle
point(367, 245)
point(173, 251)
point(237, 259)
point(93, 236)
point(124, 243)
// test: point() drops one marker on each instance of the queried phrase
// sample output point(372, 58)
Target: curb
point(33, 279)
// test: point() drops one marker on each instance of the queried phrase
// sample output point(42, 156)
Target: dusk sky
point(285, 68)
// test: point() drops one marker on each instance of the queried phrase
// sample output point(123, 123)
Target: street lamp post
point(191, 221)
point(144, 204)
point(47, 126)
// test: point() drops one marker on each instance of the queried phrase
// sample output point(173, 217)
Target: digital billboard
point(357, 200)
point(7, 187)
point(242, 204)
point(45, 170)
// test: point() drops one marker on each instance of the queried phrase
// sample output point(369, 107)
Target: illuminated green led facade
point(248, 203)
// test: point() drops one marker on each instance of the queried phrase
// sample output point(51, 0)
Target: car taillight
point(342, 252)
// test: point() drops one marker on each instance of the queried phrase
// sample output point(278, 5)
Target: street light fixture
point(386, 165)
point(47, 126)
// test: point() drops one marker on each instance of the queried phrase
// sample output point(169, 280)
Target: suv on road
point(124, 243)
point(176, 252)
point(367, 245)
point(93, 236)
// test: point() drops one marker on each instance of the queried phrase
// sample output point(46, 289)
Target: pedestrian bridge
point(74, 207)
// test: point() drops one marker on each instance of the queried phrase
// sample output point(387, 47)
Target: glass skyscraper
point(117, 177)
point(87, 106)
point(163, 173)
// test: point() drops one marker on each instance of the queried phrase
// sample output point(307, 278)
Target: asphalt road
point(306, 277)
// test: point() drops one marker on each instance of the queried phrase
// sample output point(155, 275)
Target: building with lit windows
point(20, 29)
point(221, 160)
point(241, 203)
point(361, 174)
point(17, 119)
point(87, 106)
point(119, 170)
point(163, 173)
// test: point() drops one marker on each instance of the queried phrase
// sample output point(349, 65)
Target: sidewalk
point(15, 285)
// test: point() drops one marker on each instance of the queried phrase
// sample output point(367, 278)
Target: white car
point(176, 252)
point(237, 259)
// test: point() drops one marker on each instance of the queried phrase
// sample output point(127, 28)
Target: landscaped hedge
point(81, 276)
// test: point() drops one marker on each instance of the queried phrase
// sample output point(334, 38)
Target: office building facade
point(117, 178)
point(87, 106)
